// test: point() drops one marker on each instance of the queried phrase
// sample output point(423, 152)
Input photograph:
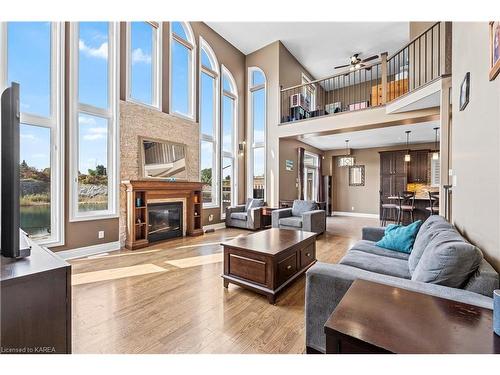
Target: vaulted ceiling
point(319, 46)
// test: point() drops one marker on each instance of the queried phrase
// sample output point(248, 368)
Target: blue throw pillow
point(400, 238)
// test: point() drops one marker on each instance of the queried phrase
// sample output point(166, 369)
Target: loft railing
point(339, 93)
point(421, 61)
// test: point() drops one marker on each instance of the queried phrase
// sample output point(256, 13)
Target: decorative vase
point(138, 202)
point(496, 311)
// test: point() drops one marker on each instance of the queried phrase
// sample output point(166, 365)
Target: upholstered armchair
point(246, 216)
point(304, 215)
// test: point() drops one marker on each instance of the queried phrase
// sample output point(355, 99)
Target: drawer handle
point(289, 267)
point(308, 255)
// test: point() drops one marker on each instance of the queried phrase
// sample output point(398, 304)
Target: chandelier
point(346, 160)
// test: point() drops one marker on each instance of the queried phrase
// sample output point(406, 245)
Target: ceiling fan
point(355, 62)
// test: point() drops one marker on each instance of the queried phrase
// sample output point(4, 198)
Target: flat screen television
point(13, 241)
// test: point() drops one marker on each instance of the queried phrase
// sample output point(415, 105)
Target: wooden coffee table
point(268, 261)
point(377, 318)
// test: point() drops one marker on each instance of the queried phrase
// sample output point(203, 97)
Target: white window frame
point(251, 144)
point(312, 88)
point(156, 60)
point(233, 94)
point(215, 139)
point(191, 46)
point(111, 114)
point(54, 122)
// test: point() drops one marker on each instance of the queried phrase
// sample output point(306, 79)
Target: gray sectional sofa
point(246, 216)
point(442, 263)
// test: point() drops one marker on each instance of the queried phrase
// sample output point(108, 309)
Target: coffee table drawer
point(307, 255)
point(247, 268)
point(287, 268)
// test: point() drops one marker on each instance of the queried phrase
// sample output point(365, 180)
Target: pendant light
point(346, 160)
point(408, 156)
point(435, 154)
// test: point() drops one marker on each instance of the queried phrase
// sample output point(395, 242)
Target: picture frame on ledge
point(464, 91)
point(494, 49)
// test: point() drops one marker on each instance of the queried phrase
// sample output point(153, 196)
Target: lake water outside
point(35, 220)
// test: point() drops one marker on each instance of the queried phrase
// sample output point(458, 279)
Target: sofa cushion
point(428, 230)
point(371, 248)
point(448, 260)
point(377, 263)
point(239, 215)
point(254, 203)
point(400, 237)
point(300, 206)
point(291, 221)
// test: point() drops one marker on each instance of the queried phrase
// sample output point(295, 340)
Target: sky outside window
point(227, 124)
point(30, 42)
point(93, 63)
point(207, 104)
point(180, 78)
point(142, 45)
point(259, 115)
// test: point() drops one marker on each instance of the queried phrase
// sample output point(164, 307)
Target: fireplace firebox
point(164, 221)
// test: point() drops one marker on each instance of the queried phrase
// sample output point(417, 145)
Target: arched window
point(209, 124)
point(257, 134)
point(229, 130)
point(182, 70)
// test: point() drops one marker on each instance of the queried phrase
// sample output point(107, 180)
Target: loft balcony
point(417, 65)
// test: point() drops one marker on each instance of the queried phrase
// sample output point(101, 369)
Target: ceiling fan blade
point(370, 58)
point(342, 66)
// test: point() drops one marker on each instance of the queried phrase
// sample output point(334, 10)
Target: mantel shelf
point(153, 190)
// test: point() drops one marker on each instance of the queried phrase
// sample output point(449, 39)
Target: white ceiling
point(319, 46)
point(381, 137)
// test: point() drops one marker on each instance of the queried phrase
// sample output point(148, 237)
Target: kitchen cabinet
point(393, 173)
point(418, 171)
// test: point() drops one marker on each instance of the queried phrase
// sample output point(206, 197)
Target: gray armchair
point(303, 215)
point(246, 216)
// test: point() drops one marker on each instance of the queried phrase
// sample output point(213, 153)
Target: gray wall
point(476, 141)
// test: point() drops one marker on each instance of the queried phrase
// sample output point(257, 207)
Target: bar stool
point(433, 203)
point(406, 205)
point(388, 209)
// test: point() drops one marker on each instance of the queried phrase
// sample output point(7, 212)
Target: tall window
point(182, 69)
point(144, 62)
point(311, 176)
point(32, 56)
point(257, 116)
point(209, 123)
point(229, 138)
point(94, 128)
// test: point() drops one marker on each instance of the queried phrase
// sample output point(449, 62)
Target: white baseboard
point(356, 214)
point(89, 250)
point(216, 226)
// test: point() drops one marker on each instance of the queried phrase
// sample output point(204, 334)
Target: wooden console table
point(378, 318)
point(36, 304)
point(144, 190)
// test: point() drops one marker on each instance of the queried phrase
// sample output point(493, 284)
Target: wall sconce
point(241, 148)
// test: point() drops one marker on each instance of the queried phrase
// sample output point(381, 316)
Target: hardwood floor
point(169, 298)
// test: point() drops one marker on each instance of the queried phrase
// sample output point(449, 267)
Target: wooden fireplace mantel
point(149, 190)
